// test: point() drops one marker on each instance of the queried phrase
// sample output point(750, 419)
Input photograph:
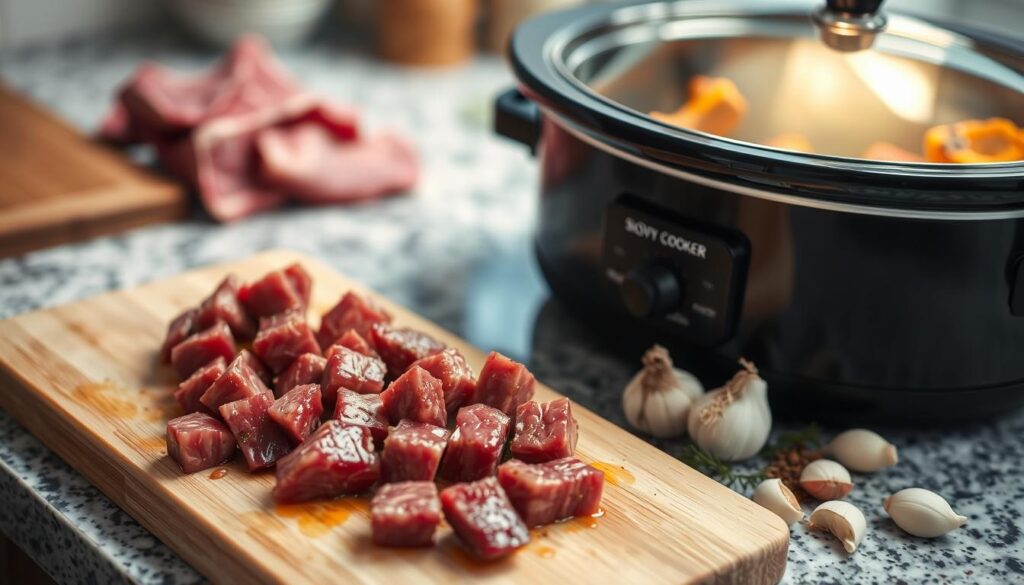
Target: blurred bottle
point(426, 32)
point(505, 15)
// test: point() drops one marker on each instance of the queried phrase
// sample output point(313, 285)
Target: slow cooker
point(863, 289)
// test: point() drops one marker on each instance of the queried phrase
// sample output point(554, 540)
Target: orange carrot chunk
point(974, 141)
point(715, 106)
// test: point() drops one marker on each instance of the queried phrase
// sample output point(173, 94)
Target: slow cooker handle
point(518, 118)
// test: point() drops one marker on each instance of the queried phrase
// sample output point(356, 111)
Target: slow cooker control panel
point(686, 277)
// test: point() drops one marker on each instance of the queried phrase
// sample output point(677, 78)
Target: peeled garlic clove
point(922, 513)
point(773, 495)
point(843, 520)
point(862, 450)
point(826, 480)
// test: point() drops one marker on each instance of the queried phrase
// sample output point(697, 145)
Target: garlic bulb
point(843, 520)
point(733, 422)
point(862, 450)
point(657, 400)
point(773, 495)
point(826, 480)
point(922, 513)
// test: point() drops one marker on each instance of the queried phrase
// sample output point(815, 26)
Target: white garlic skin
point(826, 480)
point(774, 496)
point(665, 412)
point(862, 450)
point(923, 513)
point(743, 428)
point(844, 520)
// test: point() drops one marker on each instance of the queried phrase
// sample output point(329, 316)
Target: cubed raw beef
point(257, 366)
point(301, 281)
point(456, 377)
point(362, 410)
point(181, 327)
point(351, 371)
point(483, 518)
point(352, 312)
point(544, 431)
point(543, 493)
point(298, 411)
point(475, 446)
point(223, 305)
point(277, 292)
point(238, 381)
point(198, 441)
point(191, 390)
point(412, 452)
point(261, 440)
point(283, 338)
point(201, 348)
point(308, 368)
point(415, 396)
point(352, 340)
point(504, 384)
point(405, 514)
point(399, 347)
point(335, 460)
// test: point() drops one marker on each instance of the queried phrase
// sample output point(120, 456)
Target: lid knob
point(850, 25)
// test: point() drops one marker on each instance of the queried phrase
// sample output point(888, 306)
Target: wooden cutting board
point(86, 380)
point(57, 186)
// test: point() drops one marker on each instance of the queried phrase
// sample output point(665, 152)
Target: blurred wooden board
point(86, 379)
point(57, 186)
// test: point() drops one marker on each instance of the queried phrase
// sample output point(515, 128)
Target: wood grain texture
point(56, 186)
point(85, 379)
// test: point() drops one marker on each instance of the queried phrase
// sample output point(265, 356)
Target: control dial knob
point(651, 291)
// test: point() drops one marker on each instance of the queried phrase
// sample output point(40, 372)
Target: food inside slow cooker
point(975, 141)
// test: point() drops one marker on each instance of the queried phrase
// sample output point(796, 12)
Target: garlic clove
point(862, 450)
point(826, 480)
point(733, 422)
point(844, 520)
point(657, 400)
point(922, 513)
point(773, 495)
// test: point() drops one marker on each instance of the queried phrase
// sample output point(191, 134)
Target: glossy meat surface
point(335, 460)
point(363, 410)
point(547, 492)
point(544, 431)
point(223, 305)
point(261, 440)
point(308, 368)
point(349, 370)
point(277, 292)
point(475, 446)
point(238, 381)
point(483, 518)
point(198, 441)
point(504, 384)
point(298, 411)
point(201, 348)
point(405, 514)
point(415, 396)
point(352, 340)
point(412, 452)
point(190, 391)
point(283, 338)
point(180, 328)
point(399, 347)
point(456, 377)
point(353, 311)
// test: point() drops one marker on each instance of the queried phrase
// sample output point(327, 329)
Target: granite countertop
point(457, 247)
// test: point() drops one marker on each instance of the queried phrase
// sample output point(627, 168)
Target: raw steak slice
point(308, 368)
point(352, 340)
point(547, 492)
point(277, 292)
point(352, 312)
point(456, 377)
point(416, 396)
point(191, 390)
point(198, 441)
point(399, 347)
point(201, 348)
point(362, 410)
point(180, 328)
point(544, 431)
point(412, 452)
point(475, 447)
point(351, 371)
point(504, 384)
point(283, 338)
point(238, 381)
point(405, 514)
point(298, 412)
point(335, 460)
point(483, 518)
point(261, 440)
point(223, 305)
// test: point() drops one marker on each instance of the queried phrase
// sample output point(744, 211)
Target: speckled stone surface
point(452, 252)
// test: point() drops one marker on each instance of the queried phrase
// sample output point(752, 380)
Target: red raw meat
point(483, 518)
point(412, 452)
point(308, 368)
point(362, 410)
point(117, 126)
point(416, 396)
point(181, 327)
point(277, 292)
point(191, 390)
point(198, 441)
point(504, 384)
point(544, 431)
point(201, 348)
point(352, 312)
point(335, 460)
point(547, 492)
point(256, 365)
point(283, 338)
point(261, 440)
point(475, 447)
point(405, 514)
point(298, 412)
point(351, 371)
point(238, 381)
point(456, 377)
point(399, 347)
point(301, 281)
point(352, 340)
point(223, 305)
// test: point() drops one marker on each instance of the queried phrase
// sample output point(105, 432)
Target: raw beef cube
point(456, 377)
point(483, 518)
point(256, 365)
point(476, 445)
point(202, 348)
point(547, 492)
point(198, 441)
point(362, 410)
point(352, 340)
point(223, 305)
point(301, 281)
point(277, 292)
point(351, 371)
point(298, 412)
point(412, 452)
point(544, 431)
point(399, 347)
point(191, 390)
point(352, 312)
point(416, 396)
point(237, 382)
point(308, 368)
point(504, 384)
point(181, 327)
point(335, 460)
point(261, 440)
point(405, 514)
point(282, 339)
